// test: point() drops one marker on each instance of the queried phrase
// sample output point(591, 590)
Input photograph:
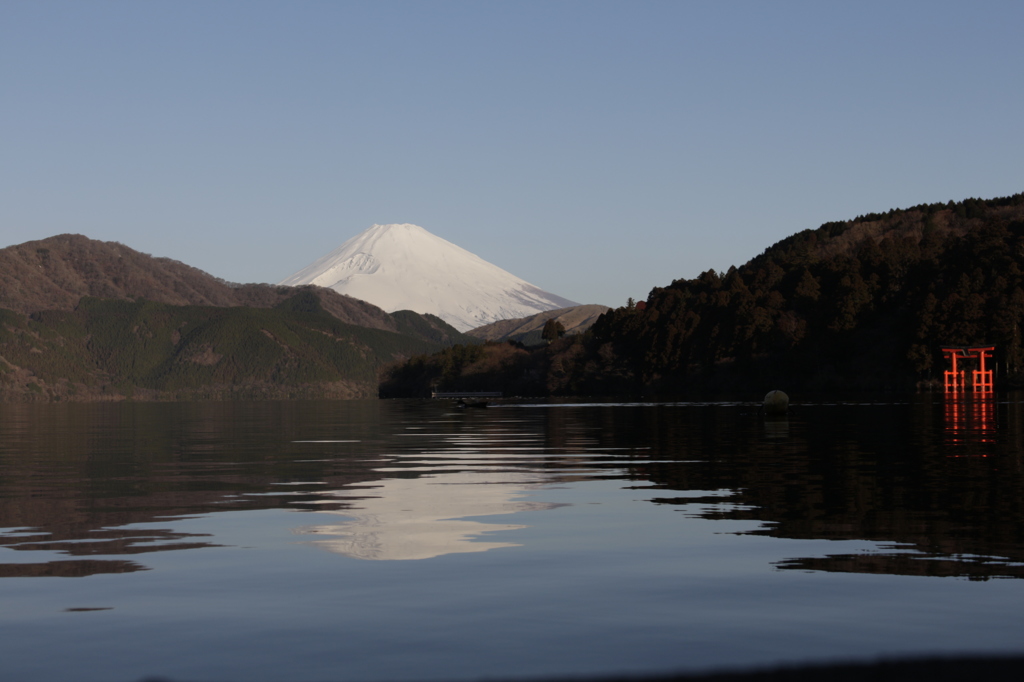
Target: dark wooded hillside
point(861, 304)
point(109, 349)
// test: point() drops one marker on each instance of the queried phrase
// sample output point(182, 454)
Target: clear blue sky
point(594, 149)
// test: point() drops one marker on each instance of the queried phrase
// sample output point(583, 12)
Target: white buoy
point(776, 402)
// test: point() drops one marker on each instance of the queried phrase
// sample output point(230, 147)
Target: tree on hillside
point(553, 329)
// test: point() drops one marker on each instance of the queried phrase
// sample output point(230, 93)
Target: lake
point(393, 540)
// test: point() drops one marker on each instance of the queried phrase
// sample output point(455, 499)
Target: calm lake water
point(387, 540)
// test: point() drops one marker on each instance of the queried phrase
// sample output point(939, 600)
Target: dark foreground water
point(413, 541)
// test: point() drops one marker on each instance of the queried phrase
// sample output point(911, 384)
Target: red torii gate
point(982, 380)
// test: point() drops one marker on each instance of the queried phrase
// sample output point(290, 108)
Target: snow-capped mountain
point(404, 267)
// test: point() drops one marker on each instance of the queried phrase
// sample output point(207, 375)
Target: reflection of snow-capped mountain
point(421, 518)
point(404, 267)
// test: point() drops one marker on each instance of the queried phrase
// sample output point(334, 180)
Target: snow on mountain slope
point(404, 267)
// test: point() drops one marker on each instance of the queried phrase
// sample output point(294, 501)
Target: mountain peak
point(396, 226)
point(405, 267)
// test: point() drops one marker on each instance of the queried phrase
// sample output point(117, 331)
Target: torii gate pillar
point(981, 378)
point(953, 378)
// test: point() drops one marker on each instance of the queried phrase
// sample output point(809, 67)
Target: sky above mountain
point(594, 149)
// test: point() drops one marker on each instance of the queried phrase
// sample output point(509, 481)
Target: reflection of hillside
point(914, 563)
point(421, 518)
point(98, 480)
point(92, 480)
point(68, 569)
point(101, 479)
point(883, 473)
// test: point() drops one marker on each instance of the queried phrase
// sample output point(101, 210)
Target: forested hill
point(109, 349)
point(87, 320)
point(55, 273)
point(861, 304)
point(865, 303)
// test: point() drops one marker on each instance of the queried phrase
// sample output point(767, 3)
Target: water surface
point(389, 540)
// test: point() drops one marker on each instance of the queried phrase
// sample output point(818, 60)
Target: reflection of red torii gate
point(981, 378)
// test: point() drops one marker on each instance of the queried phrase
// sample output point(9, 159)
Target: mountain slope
point(110, 349)
point(405, 267)
point(55, 273)
point(528, 330)
point(87, 320)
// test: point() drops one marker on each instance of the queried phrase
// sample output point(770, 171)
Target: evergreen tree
point(553, 329)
